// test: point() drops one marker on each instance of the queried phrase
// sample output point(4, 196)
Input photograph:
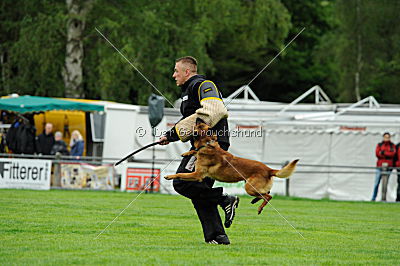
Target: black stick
point(133, 153)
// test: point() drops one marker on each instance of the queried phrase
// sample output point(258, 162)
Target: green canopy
point(26, 104)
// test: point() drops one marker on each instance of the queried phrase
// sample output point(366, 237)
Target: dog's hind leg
point(257, 199)
point(266, 198)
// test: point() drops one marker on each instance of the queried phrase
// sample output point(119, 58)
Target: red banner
point(138, 179)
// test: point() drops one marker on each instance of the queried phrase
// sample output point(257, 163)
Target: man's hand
point(163, 140)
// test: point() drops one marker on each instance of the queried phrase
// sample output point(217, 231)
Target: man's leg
point(377, 181)
point(205, 200)
point(385, 180)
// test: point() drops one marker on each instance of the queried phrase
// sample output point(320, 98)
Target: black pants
point(205, 199)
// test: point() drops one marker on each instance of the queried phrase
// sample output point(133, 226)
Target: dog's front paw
point(169, 177)
point(189, 153)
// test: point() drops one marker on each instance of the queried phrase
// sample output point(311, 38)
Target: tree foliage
point(299, 68)
point(380, 49)
point(216, 32)
point(232, 40)
point(32, 45)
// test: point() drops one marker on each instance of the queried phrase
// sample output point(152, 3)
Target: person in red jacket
point(385, 152)
point(397, 164)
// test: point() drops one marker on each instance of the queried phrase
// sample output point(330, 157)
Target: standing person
point(59, 145)
point(397, 164)
point(77, 144)
point(201, 100)
point(385, 152)
point(45, 141)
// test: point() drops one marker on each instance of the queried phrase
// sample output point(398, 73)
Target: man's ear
point(199, 121)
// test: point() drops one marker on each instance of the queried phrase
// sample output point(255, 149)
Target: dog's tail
point(286, 171)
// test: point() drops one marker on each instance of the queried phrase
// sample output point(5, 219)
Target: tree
point(249, 35)
point(32, 35)
point(369, 47)
point(299, 67)
point(73, 72)
point(226, 37)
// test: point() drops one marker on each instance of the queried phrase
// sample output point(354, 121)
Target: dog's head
point(203, 136)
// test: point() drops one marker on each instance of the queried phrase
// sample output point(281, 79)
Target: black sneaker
point(220, 240)
point(229, 204)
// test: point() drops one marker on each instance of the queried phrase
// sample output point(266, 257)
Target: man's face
point(48, 129)
point(386, 137)
point(57, 137)
point(181, 73)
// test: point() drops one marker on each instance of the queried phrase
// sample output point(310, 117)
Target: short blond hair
point(190, 61)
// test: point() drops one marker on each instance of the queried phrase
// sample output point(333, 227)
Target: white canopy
point(334, 142)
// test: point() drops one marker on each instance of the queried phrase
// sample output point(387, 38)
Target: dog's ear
point(199, 121)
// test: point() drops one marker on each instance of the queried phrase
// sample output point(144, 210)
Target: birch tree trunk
point(73, 71)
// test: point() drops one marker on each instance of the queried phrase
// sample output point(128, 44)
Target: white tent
point(334, 142)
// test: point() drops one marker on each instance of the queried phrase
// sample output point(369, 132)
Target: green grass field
point(59, 227)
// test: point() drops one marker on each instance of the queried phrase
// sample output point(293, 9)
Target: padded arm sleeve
point(211, 112)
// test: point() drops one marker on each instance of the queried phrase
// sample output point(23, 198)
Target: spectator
point(385, 152)
point(397, 164)
point(45, 141)
point(59, 145)
point(76, 144)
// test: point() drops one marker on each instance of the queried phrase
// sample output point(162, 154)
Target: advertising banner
point(136, 177)
point(25, 173)
point(79, 175)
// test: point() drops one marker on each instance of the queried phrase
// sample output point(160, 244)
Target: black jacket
point(59, 146)
point(26, 139)
point(190, 103)
point(21, 138)
point(44, 143)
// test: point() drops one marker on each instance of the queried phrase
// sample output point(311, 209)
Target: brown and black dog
point(214, 162)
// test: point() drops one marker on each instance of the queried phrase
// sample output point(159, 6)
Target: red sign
point(138, 179)
point(248, 127)
point(345, 128)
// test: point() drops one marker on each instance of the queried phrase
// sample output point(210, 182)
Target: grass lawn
point(59, 227)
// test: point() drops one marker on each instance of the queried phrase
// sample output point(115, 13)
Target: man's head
point(185, 68)
point(48, 128)
point(58, 136)
point(386, 136)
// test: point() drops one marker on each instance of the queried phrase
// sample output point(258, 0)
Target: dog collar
point(200, 148)
point(207, 143)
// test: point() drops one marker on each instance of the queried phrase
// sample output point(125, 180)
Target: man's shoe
point(229, 204)
point(220, 240)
